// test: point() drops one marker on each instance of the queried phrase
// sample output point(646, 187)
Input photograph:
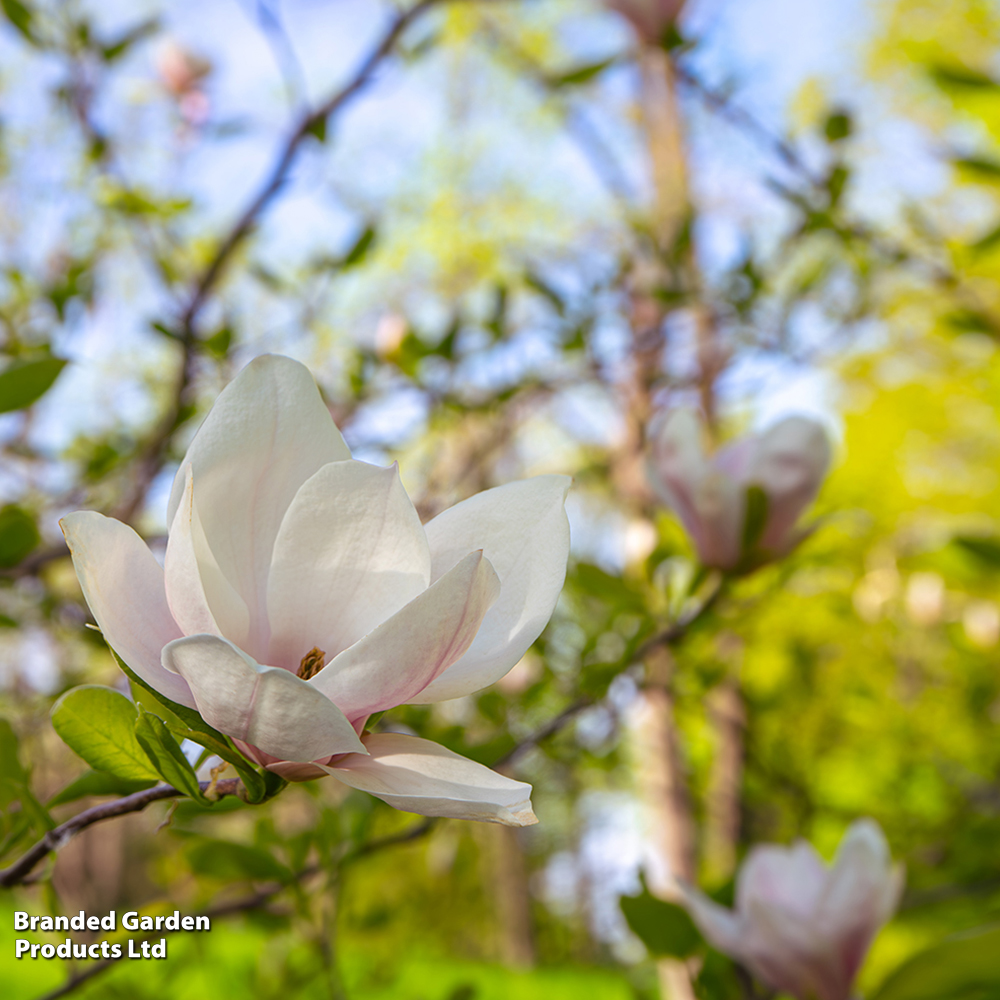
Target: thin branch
point(62, 834)
point(153, 454)
point(257, 899)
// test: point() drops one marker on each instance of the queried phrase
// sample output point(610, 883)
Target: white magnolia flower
point(709, 492)
point(800, 926)
point(301, 594)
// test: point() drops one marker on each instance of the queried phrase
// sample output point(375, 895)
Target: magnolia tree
point(275, 630)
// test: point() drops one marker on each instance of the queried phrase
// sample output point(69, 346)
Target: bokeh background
point(494, 271)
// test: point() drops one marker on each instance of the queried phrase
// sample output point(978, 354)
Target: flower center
point(312, 663)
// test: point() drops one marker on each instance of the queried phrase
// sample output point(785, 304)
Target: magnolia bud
point(800, 926)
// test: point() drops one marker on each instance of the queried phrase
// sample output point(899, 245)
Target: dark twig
point(62, 834)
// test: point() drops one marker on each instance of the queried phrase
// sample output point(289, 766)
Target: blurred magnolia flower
point(649, 18)
point(981, 621)
point(710, 493)
point(924, 599)
point(300, 594)
point(800, 926)
point(390, 334)
point(182, 73)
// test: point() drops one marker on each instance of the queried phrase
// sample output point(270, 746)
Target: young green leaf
point(23, 382)
point(166, 755)
point(664, 928)
point(98, 723)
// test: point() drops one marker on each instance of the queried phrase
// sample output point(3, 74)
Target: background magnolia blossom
point(799, 925)
point(300, 594)
point(709, 492)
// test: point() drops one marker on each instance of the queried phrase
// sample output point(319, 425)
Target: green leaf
point(756, 518)
point(580, 74)
point(218, 343)
point(962, 77)
point(188, 724)
point(98, 723)
point(838, 126)
point(953, 969)
point(21, 17)
point(317, 128)
point(225, 860)
point(118, 48)
point(981, 547)
point(23, 382)
point(18, 535)
point(169, 760)
point(359, 250)
point(98, 783)
point(981, 168)
point(664, 928)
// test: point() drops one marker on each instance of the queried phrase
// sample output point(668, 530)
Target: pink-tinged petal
point(789, 953)
point(350, 553)
point(267, 707)
point(396, 661)
point(722, 928)
point(523, 531)
point(707, 500)
point(862, 893)
point(790, 462)
point(418, 776)
point(267, 433)
point(195, 585)
point(791, 878)
point(123, 585)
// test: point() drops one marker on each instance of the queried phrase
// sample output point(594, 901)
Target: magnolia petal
point(350, 553)
point(789, 464)
point(523, 531)
point(267, 433)
point(123, 585)
point(721, 927)
point(704, 496)
point(188, 577)
point(792, 954)
point(418, 776)
point(392, 664)
point(862, 892)
point(267, 707)
point(792, 878)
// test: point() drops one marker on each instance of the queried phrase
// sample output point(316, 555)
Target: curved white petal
point(265, 706)
point(351, 552)
point(392, 664)
point(267, 433)
point(523, 530)
point(201, 599)
point(422, 777)
point(123, 585)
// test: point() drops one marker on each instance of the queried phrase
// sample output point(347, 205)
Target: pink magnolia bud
point(650, 18)
point(800, 926)
point(709, 492)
